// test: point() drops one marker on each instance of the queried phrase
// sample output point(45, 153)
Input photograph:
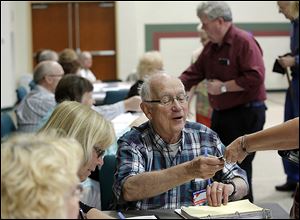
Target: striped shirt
point(33, 108)
point(143, 150)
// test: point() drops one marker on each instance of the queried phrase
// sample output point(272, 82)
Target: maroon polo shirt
point(238, 58)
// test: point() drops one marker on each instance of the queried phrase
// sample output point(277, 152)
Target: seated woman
point(39, 177)
point(151, 62)
point(91, 130)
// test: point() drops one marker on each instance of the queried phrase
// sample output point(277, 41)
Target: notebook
point(236, 209)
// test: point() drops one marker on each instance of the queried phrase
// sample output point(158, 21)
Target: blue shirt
point(142, 150)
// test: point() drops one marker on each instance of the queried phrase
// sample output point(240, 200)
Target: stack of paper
point(236, 209)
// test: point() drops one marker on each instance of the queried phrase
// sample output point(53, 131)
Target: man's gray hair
point(48, 55)
point(215, 10)
point(145, 90)
point(42, 69)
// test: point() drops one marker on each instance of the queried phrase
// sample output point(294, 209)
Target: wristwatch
point(223, 88)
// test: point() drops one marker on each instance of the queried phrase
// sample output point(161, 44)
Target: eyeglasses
point(99, 152)
point(168, 100)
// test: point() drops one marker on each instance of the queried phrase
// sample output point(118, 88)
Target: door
point(79, 25)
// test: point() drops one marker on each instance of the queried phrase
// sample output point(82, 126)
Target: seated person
point(151, 62)
point(68, 59)
point(92, 131)
point(46, 54)
point(86, 61)
point(38, 102)
point(160, 162)
point(39, 177)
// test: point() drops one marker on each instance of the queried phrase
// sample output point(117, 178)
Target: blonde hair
point(81, 122)
point(151, 62)
point(37, 173)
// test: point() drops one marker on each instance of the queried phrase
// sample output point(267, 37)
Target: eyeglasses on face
point(168, 100)
point(99, 152)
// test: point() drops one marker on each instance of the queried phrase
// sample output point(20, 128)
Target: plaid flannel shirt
point(142, 150)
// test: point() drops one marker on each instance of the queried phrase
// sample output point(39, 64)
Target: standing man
point(291, 107)
point(233, 65)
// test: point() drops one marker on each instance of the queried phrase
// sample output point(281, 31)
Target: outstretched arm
point(280, 137)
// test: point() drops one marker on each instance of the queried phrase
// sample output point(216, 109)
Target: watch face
point(223, 89)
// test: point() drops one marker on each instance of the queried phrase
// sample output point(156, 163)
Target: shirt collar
point(159, 143)
point(228, 37)
point(44, 90)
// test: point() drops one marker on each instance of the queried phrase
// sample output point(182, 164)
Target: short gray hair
point(215, 10)
point(145, 90)
point(47, 55)
point(42, 69)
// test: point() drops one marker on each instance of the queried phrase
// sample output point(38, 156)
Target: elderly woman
point(151, 62)
point(39, 177)
point(91, 130)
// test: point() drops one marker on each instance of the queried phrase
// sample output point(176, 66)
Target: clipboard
point(242, 209)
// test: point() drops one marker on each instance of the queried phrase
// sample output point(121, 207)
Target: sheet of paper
point(143, 217)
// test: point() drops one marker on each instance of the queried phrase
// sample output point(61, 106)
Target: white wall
point(16, 48)
point(131, 18)
point(177, 52)
point(8, 75)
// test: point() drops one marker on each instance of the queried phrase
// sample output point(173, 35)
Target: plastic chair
point(32, 85)
point(106, 178)
point(21, 93)
point(7, 125)
point(114, 96)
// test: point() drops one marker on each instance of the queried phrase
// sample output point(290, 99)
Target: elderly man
point(160, 163)
point(38, 102)
point(86, 61)
point(233, 65)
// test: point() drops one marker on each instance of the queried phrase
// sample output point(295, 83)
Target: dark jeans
point(235, 122)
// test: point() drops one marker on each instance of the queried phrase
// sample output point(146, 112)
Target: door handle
point(103, 52)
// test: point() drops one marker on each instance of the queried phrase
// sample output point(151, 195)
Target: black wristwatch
point(230, 198)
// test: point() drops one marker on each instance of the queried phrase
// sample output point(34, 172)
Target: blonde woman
point(39, 177)
point(151, 62)
point(91, 130)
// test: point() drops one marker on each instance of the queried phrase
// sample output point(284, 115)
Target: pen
point(205, 154)
point(121, 216)
point(81, 214)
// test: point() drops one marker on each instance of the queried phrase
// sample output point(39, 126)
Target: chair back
point(106, 179)
point(21, 93)
point(114, 96)
point(32, 85)
point(7, 125)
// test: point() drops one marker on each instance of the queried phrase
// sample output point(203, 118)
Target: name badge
point(199, 197)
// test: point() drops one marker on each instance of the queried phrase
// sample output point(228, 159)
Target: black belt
point(254, 104)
